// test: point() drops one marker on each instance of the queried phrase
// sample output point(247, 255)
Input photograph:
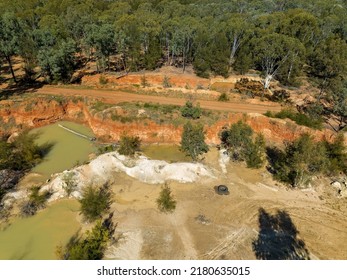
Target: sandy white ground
point(101, 169)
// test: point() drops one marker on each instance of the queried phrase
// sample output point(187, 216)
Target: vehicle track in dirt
point(121, 96)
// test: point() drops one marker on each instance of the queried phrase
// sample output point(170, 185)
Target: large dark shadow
point(277, 238)
point(20, 88)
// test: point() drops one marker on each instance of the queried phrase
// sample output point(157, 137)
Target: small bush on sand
point(95, 202)
point(166, 203)
point(69, 183)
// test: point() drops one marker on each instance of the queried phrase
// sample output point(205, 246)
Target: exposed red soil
point(115, 97)
point(45, 111)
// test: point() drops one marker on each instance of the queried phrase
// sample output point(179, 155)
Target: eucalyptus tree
point(238, 28)
point(10, 33)
point(302, 25)
point(271, 53)
point(101, 38)
point(58, 61)
point(339, 98)
point(183, 36)
point(328, 64)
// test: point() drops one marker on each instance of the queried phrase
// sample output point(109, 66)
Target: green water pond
point(68, 149)
point(169, 153)
point(36, 238)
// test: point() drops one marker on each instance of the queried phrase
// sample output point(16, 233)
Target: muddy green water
point(37, 237)
point(68, 148)
point(169, 153)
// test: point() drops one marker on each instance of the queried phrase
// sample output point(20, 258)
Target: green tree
point(328, 64)
point(238, 30)
point(337, 155)
point(22, 153)
point(254, 154)
point(339, 99)
point(36, 201)
point(10, 32)
point(129, 145)
point(300, 160)
point(102, 38)
point(211, 54)
point(91, 246)
point(166, 203)
point(193, 140)
point(95, 201)
point(57, 63)
point(238, 140)
point(190, 111)
point(274, 51)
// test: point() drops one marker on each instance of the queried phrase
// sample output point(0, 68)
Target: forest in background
point(283, 40)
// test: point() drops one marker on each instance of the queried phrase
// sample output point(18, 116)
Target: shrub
point(128, 145)
point(92, 246)
point(193, 140)
point(337, 156)
point(95, 201)
point(280, 96)
point(103, 80)
point(223, 97)
point(190, 111)
point(106, 149)
point(298, 118)
point(144, 81)
point(22, 153)
point(166, 202)
point(69, 183)
point(36, 201)
point(200, 86)
point(166, 82)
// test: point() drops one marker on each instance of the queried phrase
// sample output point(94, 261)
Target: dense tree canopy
point(281, 39)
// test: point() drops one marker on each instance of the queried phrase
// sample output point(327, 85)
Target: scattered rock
point(336, 184)
point(201, 219)
point(9, 179)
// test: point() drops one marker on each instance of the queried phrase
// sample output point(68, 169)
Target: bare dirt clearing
point(206, 225)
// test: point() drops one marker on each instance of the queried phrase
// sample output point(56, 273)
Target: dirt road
point(119, 96)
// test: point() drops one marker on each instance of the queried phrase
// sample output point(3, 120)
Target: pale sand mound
point(103, 168)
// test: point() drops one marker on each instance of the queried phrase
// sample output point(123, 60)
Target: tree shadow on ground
point(20, 88)
point(277, 238)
